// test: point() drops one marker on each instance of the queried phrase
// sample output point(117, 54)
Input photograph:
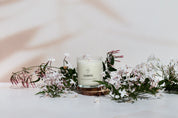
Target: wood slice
point(93, 91)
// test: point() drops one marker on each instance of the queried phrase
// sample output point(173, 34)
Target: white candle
point(89, 71)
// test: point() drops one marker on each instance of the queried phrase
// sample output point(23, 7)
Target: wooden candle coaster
point(93, 91)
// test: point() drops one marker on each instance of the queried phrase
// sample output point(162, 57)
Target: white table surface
point(22, 103)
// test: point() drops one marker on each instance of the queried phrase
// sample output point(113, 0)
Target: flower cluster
point(53, 81)
point(52, 84)
point(56, 82)
point(24, 77)
point(170, 77)
point(108, 65)
point(126, 83)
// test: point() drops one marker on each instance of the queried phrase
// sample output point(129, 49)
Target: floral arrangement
point(170, 77)
point(53, 81)
point(125, 83)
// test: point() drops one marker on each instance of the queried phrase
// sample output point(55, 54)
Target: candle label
point(89, 72)
point(87, 75)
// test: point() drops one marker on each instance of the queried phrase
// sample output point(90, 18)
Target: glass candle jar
point(89, 71)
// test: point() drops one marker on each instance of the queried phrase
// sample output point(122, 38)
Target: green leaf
point(70, 71)
point(112, 69)
point(41, 92)
point(161, 82)
point(101, 82)
point(112, 60)
point(45, 66)
point(36, 80)
point(104, 66)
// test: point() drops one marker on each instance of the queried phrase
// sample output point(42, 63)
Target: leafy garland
point(124, 83)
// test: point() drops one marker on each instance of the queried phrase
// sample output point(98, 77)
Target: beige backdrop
point(31, 31)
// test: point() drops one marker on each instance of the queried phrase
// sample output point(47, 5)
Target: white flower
point(72, 81)
point(112, 81)
point(123, 93)
point(69, 65)
point(113, 74)
point(103, 74)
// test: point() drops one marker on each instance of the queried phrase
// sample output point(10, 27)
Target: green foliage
point(69, 74)
point(69, 81)
point(133, 89)
point(51, 91)
point(41, 71)
point(170, 78)
point(108, 65)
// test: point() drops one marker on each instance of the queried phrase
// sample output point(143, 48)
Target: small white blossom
point(103, 74)
point(113, 74)
point(112, 81)
point(72, 81)
point(69, 65)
